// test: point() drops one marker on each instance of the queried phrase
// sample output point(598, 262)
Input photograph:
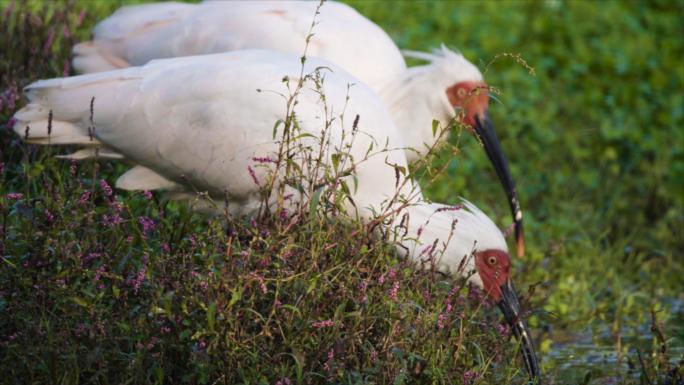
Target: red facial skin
point(494, 267)
point(472, 96)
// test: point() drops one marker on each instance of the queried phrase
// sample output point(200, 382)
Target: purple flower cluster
point(49, 216)
point(111, 220)
point(147, 224)
point(253, 175)
point(106, 189)
point(85, 197)
point(138, 280)
point(470, 376)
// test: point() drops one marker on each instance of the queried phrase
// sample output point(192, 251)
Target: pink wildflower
point(15, 196)
point(263, 159)
point(165, 248)
point(449, 208)
point(111, 220)
point(394, 291)
point(84, 198)
point(48, 215)
point(374, 355)
point(106, 189)
point(440, 321)
point(253, 175)
point(147, 224)
point(138, 280)
point(469, 376)
point(323, 324)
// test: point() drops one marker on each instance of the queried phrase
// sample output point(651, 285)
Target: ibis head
point(472, 97)
point(493, 267)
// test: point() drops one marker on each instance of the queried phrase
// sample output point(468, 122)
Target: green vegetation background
point(595, 139)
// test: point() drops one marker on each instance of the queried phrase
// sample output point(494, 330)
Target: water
point(598, 356)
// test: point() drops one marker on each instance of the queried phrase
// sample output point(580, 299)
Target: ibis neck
point(432, 234)
point(414, 104)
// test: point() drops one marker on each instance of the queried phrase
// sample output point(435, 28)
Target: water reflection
point(598, 356)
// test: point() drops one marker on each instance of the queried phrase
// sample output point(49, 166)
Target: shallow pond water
point(598, 356)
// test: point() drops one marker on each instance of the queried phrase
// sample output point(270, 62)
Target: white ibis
point(203, 121)
point(416, 96)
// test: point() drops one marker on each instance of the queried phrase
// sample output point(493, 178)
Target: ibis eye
point(461, 93)
point(491, 261)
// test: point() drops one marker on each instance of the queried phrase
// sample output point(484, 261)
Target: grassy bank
point(101, 286)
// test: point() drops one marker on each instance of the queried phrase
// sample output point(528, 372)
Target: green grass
point(596, 145)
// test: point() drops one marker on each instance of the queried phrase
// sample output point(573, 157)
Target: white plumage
point(414, 96)
point(134, 35)
point(198, 123)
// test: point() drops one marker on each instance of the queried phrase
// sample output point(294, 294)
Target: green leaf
point(275, 127)
point(80, 301)
point(313, 206)
point(236, 294)
point(335, 161)
point(211, 315)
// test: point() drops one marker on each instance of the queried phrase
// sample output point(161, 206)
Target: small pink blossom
point(253, 175)
point(12, 120)
point(147, 194)
point(374, 355)
point(81, 17)
point(15, 196)
point(264, 159)
point(470, 376)
point(440, 321)
point(503, 330)
point(84, 198)
point(394, 291)
point(449, 208)
point(138, 280)
point(426, 295)
point(49, 216)
point(98, 273)
point(147, 224)
point(323, 324)
point(106, 189)
point(89, 257)
point(111, 220)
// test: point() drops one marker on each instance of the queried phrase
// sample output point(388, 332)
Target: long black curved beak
point(510, 307)
point(485, 130)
